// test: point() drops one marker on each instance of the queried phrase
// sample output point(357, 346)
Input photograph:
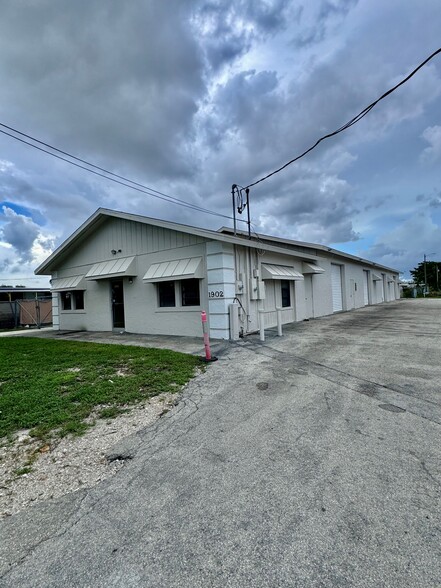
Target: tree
point(432, 272)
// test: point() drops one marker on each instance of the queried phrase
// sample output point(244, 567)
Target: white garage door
point(365, 287)
point(391, 291)
point(337, 295)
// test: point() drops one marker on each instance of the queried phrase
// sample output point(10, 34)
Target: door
point(365, 287)
point(117, 297)
point(382, 288)
point(309, 302)
point(352, 291)
point(391, 291)
point(337, 294)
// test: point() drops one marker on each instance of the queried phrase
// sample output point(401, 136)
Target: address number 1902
point(216, 294)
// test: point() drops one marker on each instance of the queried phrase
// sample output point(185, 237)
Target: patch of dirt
point(32, 471)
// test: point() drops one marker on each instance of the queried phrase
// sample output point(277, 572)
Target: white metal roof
point(112, 269)
point(103, 214)
point(71, 283)
point(311, 268)
point(296, 246)
point(172, 270)
point(279, 272)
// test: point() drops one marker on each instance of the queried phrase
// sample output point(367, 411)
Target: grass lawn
point(51, 386)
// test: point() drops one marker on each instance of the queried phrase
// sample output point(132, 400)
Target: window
point(66, 300)
point(166, 293)
point(72, 300)
point(286, 293)
point(78, 299)
point(190, 292)
point(179, 293)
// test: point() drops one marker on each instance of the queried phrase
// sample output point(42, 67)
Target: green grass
point(52, 386)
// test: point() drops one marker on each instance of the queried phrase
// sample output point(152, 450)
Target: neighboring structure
point(21, 306)
point(128, 272)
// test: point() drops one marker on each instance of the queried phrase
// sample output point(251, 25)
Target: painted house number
point(216, 294)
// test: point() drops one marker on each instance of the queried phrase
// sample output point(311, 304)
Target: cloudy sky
point(190, 96)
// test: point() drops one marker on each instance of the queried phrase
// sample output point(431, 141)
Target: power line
point(116, 178)
point(353, 121)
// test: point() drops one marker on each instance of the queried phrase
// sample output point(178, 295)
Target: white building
point(128, 272)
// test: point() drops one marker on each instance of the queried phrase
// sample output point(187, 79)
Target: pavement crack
point(58, 534)
point(330, 374)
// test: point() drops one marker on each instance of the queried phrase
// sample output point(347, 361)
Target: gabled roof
point(313, 247)
point(101, 215)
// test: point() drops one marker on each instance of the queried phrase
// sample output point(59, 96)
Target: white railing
point(262, 312)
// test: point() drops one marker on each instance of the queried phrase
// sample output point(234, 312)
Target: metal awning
point(279, 272)
point(116, 268)
point(311, 268)
point(180, 269)
point(71, 283)
point(376, 277)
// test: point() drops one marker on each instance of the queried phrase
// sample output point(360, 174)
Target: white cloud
point(404, 246)
point(432, 153)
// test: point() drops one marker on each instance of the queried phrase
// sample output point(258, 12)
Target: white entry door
point(365, 287)
point(309, 302)
point(337, 294)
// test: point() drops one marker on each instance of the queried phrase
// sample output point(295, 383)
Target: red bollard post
point(208, 356)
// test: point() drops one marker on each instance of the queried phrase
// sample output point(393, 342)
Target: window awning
point(116, 268)
point(311, 268)
point(376, 277)
point(180, 269)
point(279, 272)
point(71, 283)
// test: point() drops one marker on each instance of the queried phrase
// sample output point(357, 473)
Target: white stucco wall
point(228, 273)
point(142, 312)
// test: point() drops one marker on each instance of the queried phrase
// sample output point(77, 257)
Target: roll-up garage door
point(391, 291)
point(337, 295)
point(365, 287)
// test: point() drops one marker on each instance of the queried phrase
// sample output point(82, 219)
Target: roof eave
point(318, 247)
point(49, 265)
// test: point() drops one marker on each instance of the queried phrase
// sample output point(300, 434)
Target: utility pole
point(425, 276)
point(425, 273)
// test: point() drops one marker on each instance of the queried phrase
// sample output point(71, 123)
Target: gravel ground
point(66, 465)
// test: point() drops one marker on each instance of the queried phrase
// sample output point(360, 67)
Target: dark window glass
point(190, 292)
point(66, 301)
point(286, 293)
point(166, 292)
point(78, 297)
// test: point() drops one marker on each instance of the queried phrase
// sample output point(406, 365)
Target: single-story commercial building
point(122, 271)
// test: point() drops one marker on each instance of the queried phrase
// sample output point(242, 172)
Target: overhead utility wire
point(122, 180)
point(353, 121)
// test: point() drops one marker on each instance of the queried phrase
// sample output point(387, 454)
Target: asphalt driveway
point(312, 460)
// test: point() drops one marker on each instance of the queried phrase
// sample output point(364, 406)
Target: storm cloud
point(189, 97)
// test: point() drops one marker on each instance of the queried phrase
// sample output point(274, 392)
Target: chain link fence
point(22, 313)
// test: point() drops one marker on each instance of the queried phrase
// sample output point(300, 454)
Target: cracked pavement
point(312, 460)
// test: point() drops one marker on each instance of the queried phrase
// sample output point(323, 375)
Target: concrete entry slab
point(191, 345)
